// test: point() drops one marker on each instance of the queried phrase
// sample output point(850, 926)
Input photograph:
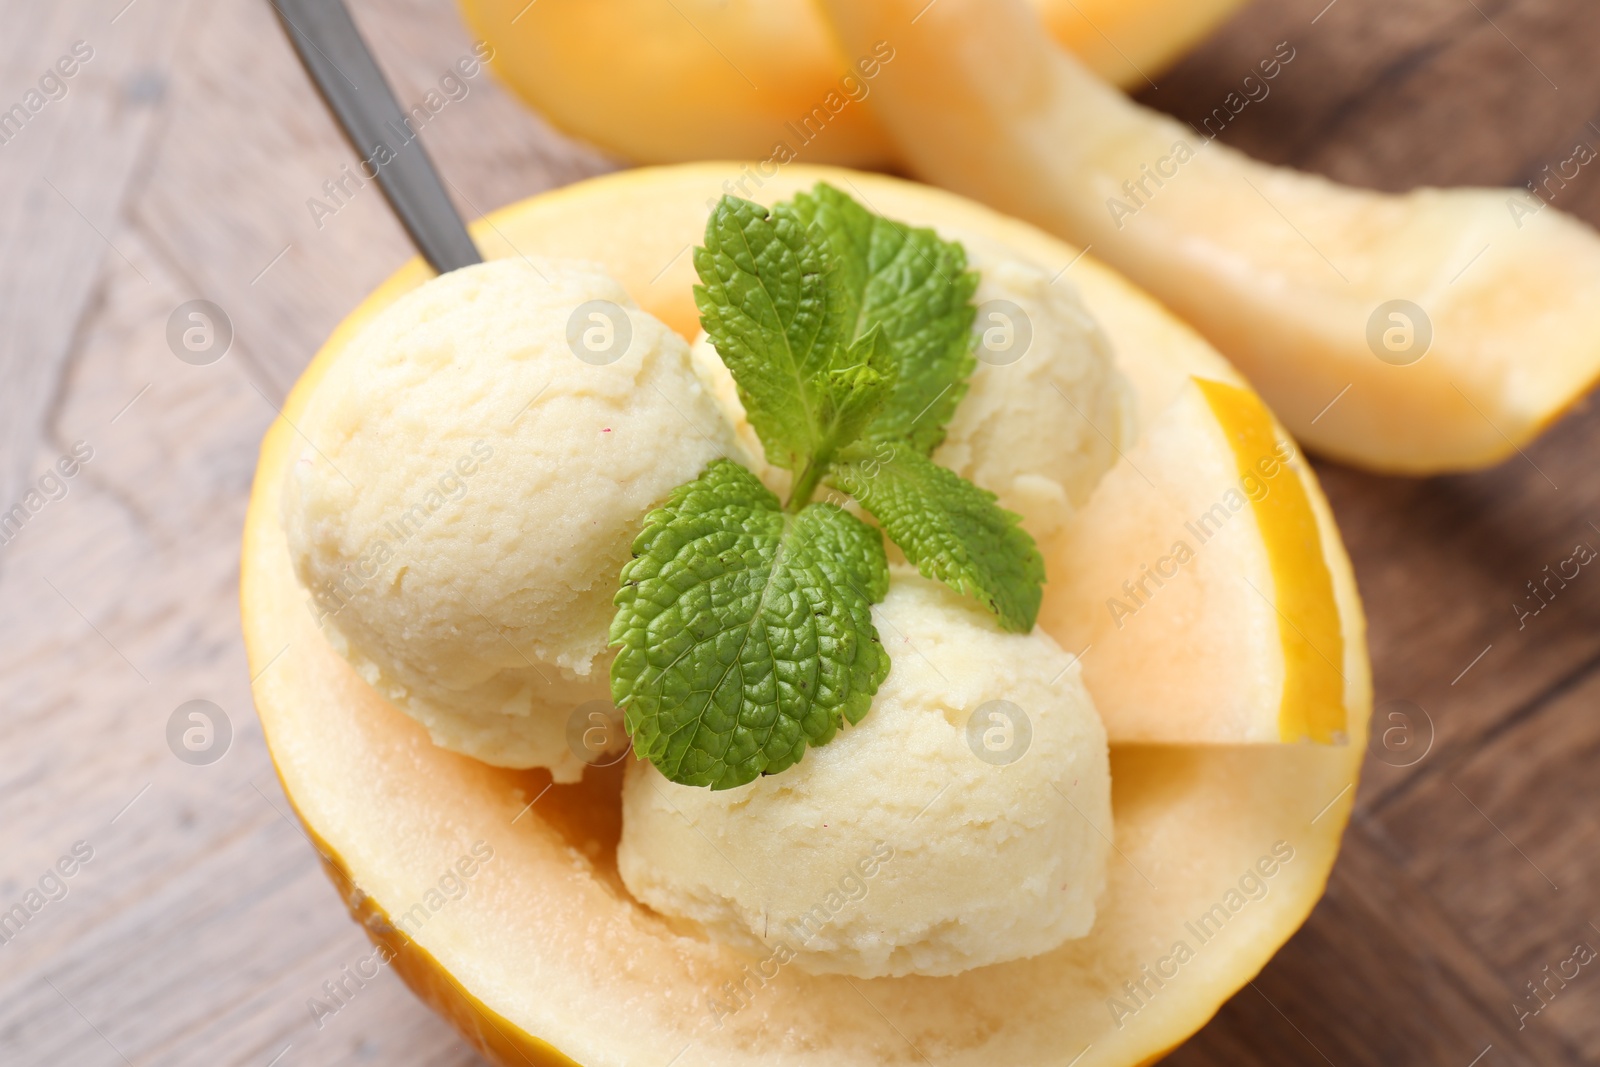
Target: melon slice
point(705, 79)
point(1432, 331)
point(1195, 586)
point(545, 959)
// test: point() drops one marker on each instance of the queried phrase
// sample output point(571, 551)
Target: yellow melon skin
point(543, 958)
point(660, 82)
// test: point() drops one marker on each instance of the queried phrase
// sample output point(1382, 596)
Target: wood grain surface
point(177, 166)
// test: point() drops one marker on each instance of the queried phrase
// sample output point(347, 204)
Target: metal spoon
point(347, 75)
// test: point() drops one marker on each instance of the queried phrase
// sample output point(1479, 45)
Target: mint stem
point(806, 486)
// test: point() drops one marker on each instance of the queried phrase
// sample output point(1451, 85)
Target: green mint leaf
point(854, 393)
point(850, 396)
point(764, 300)
point(917, 288)
point(744, 633)
point(952, 530)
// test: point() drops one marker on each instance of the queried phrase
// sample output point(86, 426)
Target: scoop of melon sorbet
point(475, 467)
point(1045, 411)
point(964, 821)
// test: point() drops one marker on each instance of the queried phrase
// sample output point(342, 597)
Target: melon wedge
point(1296, 279)
point(544, 959)
point(662, 82)
point(1195, 586)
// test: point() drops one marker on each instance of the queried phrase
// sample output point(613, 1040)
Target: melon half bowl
point(496, 894)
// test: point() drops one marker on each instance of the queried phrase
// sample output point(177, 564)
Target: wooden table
point(178, 165)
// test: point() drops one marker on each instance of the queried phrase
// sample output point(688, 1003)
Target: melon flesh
point(1195, 586)
point(1294, 277)
point(546, 959)
point(707, 79)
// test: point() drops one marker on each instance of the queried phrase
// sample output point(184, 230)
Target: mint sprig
point(743, 626)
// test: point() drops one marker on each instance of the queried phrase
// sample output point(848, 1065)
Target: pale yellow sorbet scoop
point(473, 472)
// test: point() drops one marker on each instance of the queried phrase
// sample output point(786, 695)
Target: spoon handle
point(342, 66)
